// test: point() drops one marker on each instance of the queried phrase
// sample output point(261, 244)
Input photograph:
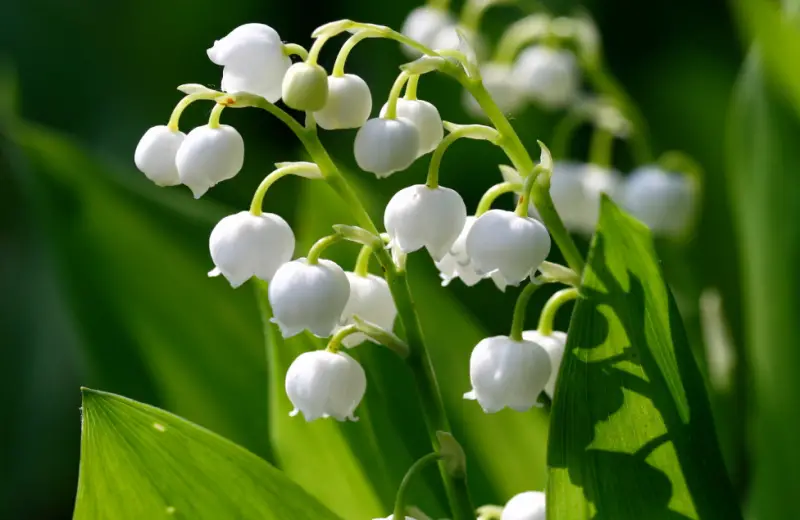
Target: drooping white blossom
point(305, 87)
point(419, 216)
point(370, 300)
point(507, 373)
point(155, 155)
point(499, 81)
point(512, 245)
point(550, 77)
point(384, 146)
point(253, 59)
point(244, 245)
point(208, 156)
point(322, 384)
point(423, 24)
point(664, 201)
point(307, 296)
point(529, 505)
point(554, 344)
point(425, 117)
point(349, 103)
point(457, 263)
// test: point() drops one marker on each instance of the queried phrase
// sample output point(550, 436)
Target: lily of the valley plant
point(539, 60)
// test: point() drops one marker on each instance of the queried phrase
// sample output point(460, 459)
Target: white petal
point(324, 384)
point(529, 505)
point(208, 156)
point(349, 103)
point(554, 345)
point(504, 90)
point(155, 155)
point(549, 76)
point(370, 300)
point(663, 201)
point(385, 146)
point(425, 117)
point(423, 24)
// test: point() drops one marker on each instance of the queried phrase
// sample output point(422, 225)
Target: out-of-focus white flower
point(384, 146)
point(244, 245)
point(507, 373)
point(208, 156)
point(419, 216)
point(305, 87)
point(499, 82)
point(349, 103)
point(155, 155)
point(505, 242)
point(458, 38)
point(308, 297)
point(662, 200)
point(425, 117)
point(529, 505)
point(554, 345)
point(550, 77)
point(457, 263)
point(391, 517)
point(370, 300)
point(253, 60)
point(324, 384)
point(423, 24)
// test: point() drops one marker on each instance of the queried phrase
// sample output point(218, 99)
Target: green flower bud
point(305, 87)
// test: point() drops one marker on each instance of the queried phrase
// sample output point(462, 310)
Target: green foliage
point(141, 462)
point(631, 433)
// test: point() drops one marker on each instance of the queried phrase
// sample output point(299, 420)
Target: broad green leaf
point(141, 462)
point(765, 189)
point(631, 431)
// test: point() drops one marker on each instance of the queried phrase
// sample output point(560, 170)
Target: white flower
point(662, 200)
point(384, 146)
point(349, 103)
point(423, 24)
point(305, 296)
point(305, 87)
point(457, 264)
point(468, 42)
point(155, 155)
point(324, 384)
point(391, 517)
point(548, 76)
point(507, 373)
point(419, 216)
point(370, 300)
point(425, 118)
point(208, 156)
point(245, 245)
point(554, 345)
point(253, 60)
point(503, 241)
point(499, 82)
point(529, 505)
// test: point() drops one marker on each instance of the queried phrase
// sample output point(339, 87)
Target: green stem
point(520, 34)
point(316, 47)
point(293, 49)
point(562, 135)
point(411, 87)
point(444, 5)
point(601, 147)
point(400, 502)
point(321, 245)
point(550, 309)
point(394, 95)
point(347, 47)
point(518, 322)
point(492, 193)
point(269, 180)
point(216, 112)
point(175, 117)
point(468, 131)
point(362, 262)
point(335, 342)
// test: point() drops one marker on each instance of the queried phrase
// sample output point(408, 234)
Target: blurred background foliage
point(103, 275)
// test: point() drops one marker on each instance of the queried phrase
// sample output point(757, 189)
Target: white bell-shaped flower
point(456, 37)
point(253, 60)
point(384, 146)
point(662, 200)
point(576, 190)
point(308, 297)
point(419, 216)
point(370, 300)
point(457, 263)
point(499, 82)
point(529, 505)
point(246, 245)
point(423, 24)
point(155, 155)
point(507, 373)
point(208, 156)
point(505, 242)
point(324, 384)
point(425, 118)
point(550, 77)
point(349, 103)
point(305, 87)
point(554, 344)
